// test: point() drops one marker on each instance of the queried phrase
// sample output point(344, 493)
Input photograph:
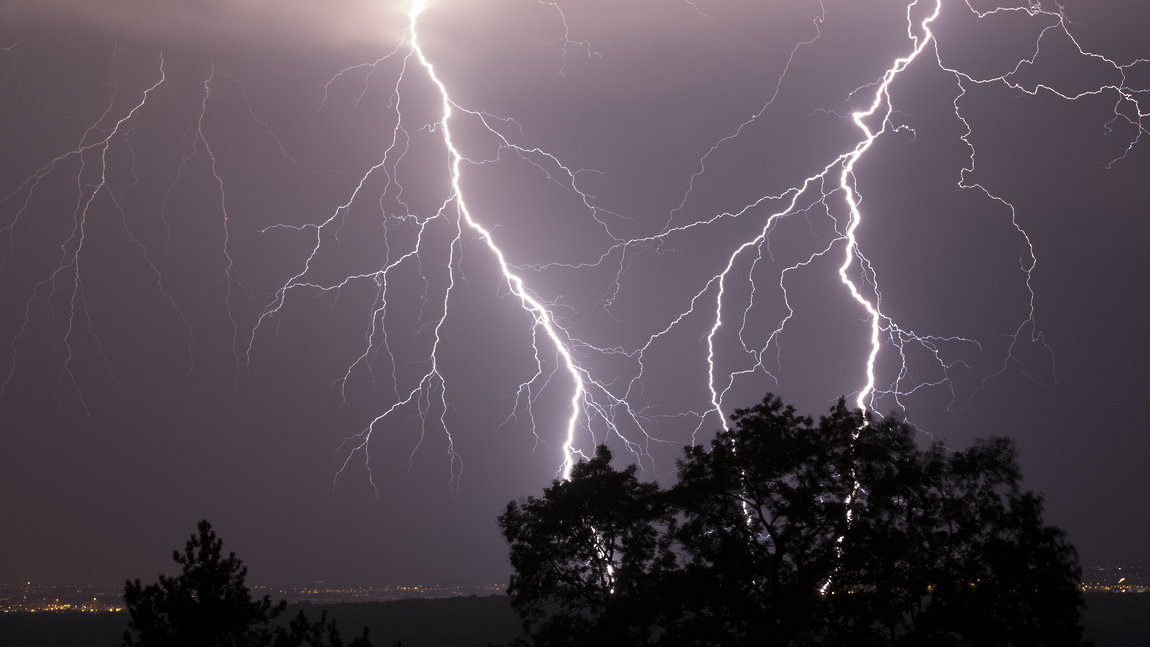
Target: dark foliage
point(208, 605)
point(589, 547)
point(788, 532)
point(303, 633)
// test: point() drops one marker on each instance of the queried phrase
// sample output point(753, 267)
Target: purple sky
point(238, 284)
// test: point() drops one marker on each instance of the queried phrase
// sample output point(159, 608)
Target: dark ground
point(1118, 619)
point(447, 622)
point(1112, 620)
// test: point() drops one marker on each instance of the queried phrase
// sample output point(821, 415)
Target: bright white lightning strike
point(879, 323)
point(722, 303)
point(537, 310)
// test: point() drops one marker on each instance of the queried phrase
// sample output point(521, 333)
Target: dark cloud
point(252, 23)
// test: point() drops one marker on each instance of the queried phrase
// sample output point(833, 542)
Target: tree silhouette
point(589, 546)
point(303, 633)
point(790, 532)
point(208, 605)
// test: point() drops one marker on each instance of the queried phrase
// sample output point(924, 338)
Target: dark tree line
point(209, 605)
point(790, 532)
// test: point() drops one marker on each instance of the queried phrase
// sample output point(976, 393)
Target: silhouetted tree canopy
point(208, 605)
point(788, 532)
point(589, 547)
point(303, 633)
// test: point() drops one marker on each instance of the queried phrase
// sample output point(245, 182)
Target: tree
point(788, 532)
point(303, 633)
point(762, 512)
point(588, 546)
point(1013, 579)
point(208, 605)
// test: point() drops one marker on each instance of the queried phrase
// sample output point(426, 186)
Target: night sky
point(248, 274)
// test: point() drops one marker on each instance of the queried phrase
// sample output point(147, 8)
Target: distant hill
point(444, 622)
point(1112, 620)
point(47, 629)
point(1116, 619)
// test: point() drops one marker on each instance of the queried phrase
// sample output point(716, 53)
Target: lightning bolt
point(740, 310)
point(101, 168)
point(431, 387)
point(613, 406)
point(91, 158)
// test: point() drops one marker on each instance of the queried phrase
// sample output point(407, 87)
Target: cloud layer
point(263, 22)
